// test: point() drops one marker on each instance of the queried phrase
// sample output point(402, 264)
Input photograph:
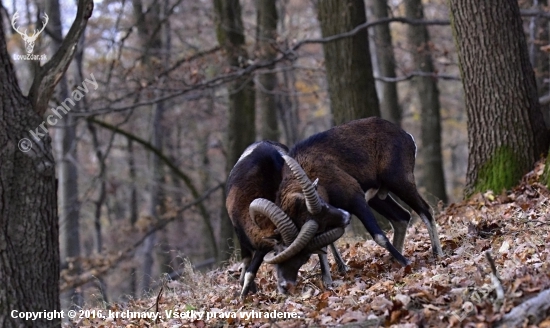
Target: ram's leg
point(249, 285)
point(246, 256)
point(396, 214)
point(365, 215)
point(406, 190)
point(342, 268)
point(325, 269)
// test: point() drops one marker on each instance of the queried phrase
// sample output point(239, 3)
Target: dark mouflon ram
point(357, 164)
point(262, 227)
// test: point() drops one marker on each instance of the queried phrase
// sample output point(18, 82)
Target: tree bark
point(349, 70)
point(241, 116)
point(506, 131)
point(389, 100)
point(29, 230)
point(267, 82)
point(433, 176)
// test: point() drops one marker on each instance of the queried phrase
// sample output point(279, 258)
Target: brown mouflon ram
point(262, 227)
point(357, 163)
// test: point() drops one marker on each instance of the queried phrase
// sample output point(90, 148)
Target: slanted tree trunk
point(433, 178)
point(240, 130)
point(385, 59)
point(267, 82)
point(506, 131)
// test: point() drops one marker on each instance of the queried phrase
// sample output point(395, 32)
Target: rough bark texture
point(506, 130)
point(347, 61)
point(389, 100)
point(433, 178)
point(29, 230)
point(240, 130)
point(267, 35)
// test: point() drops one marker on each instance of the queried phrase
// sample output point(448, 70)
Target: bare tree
point(65, 144)
point(29, 231)
point(349, 71)
point(241, 116)
point(267, 82)
point(385, 59)
point(428, 94)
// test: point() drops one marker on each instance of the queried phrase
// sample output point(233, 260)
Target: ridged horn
point(325, 239)
point(313, 202)
point(284, 224)
point(306, 234)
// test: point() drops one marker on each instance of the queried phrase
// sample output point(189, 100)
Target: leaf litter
point(455, 291)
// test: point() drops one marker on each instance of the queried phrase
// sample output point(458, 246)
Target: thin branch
point(98, 271)
point(417, 73)
point(186, 179)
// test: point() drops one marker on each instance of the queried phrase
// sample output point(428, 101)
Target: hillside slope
point(455, 291)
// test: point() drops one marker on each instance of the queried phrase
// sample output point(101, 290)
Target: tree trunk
point(65, 144)
point(389, 100)
point(433, 177)
point(133, 283)
point(347, 61)
point(349, 71)
point(29, 230)
point(506, 131)
point(240, 130)
point(267, 82)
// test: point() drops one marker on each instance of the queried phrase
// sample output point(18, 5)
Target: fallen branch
point(533, 311)
point(495, 278)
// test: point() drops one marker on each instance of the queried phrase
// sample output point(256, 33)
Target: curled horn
point(325, 239)
point(306, 234)
point(313, 201)
point(279, 218)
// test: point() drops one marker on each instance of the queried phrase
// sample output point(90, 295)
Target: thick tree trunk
point(506, 131)
point(349, 71)
point(433, 177)
point(241, 129)
point(266, 44)
point(29, 230)
point(385, 59)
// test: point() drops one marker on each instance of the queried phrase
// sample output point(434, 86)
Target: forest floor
point(456, 291)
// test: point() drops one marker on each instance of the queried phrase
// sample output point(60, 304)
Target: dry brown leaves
point(452, 292)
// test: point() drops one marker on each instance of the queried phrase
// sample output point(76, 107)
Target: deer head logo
point(29, 39)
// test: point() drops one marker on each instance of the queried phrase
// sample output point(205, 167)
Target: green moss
point(501, 171)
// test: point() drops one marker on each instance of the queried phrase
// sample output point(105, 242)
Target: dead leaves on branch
point(455, 291)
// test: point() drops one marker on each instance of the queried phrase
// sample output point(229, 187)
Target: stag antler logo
point(29, 39)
